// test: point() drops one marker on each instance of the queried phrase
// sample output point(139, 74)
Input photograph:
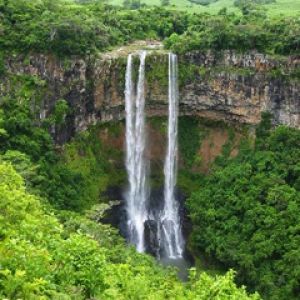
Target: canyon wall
point(223, 86)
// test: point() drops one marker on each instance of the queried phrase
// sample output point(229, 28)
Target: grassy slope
point(285, 7)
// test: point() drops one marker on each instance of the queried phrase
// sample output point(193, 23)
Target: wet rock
point(152, 241)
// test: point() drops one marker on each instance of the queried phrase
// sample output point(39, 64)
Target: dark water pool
point(181, 264)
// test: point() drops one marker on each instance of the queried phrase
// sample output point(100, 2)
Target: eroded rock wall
point(223, 86)
point(236, 87)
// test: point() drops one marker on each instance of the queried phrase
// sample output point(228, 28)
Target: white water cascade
point(136, 163)
point(172, 240)
point(155, 228)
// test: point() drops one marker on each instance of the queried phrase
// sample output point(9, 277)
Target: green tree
point(165, 2)
point(42, 258)
point(246, 213)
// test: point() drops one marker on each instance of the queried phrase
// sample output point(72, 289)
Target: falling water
point(167, 236)
point(136, 164)
point(172, 238)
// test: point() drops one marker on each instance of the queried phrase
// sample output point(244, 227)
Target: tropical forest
point(150, 149)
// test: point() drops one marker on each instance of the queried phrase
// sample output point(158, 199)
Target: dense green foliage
point(65, 28)
point(68, 29)
point(246, 213)
point(55, 254)
point(74, 180)
point(189, 138)
point(41, 258)
point(132, 4)
point(241, 33)
point(49, 254)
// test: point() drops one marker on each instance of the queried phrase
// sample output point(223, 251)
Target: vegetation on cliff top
point(65, 28)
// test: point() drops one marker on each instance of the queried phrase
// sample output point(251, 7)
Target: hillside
point(280, 7)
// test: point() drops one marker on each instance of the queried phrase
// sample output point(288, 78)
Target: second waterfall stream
point(170, 227)
point(166, 225)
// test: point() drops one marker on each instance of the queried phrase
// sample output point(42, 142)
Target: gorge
point(229, 87)
point(149, 150)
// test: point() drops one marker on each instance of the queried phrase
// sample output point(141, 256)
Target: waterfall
point(136, 164)
point(170, 220)
point(152, 229)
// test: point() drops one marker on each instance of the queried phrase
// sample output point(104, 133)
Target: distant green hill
point(285, 7)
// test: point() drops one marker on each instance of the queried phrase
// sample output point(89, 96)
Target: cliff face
point(225, 86)
point(240, 87)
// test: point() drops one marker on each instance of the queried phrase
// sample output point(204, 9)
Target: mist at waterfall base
point(156, 207)
point(153, 224)
point(117, 217)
